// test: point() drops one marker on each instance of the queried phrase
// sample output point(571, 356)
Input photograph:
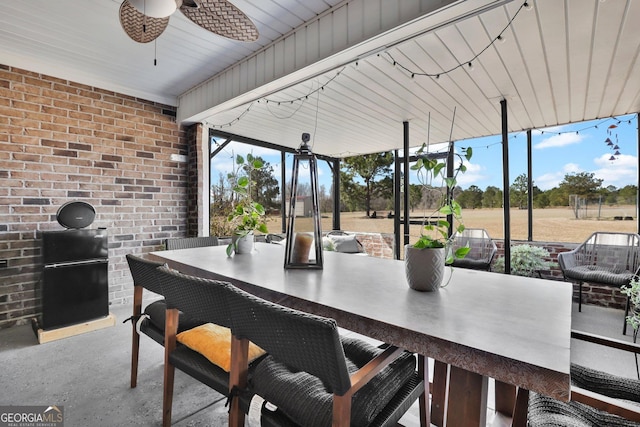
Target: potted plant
point(426, 258)
point(247, 215)
point(526, 260)
point(632, 290)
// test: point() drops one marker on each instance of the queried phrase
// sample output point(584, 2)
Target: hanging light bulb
point(528, 6)
point(470, 65)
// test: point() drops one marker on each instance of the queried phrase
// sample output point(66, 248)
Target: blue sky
point(556, 152)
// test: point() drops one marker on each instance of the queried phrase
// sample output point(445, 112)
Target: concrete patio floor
point(88, 374)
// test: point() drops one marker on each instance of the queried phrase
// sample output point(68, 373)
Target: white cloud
point(549, 180)
point(616, 172)
point(559, 140)
point(475, 173)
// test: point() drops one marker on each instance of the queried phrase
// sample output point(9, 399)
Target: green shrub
point(526, 260)
point(632, 290)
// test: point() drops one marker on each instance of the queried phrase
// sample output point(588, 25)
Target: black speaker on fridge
point(76, 215)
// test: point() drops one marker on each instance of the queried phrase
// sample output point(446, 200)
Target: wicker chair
point(610, 259)
point(190, 242)
point(312, 375)
point(200, 299)
point(152, 321)
point(598, 399)
point(483, 249)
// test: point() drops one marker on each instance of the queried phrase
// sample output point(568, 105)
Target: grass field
point(549, 225)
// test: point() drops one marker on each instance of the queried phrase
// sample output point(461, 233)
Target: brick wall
point(376, 244)
point(63, 141)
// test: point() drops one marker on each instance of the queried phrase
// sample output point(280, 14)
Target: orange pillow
point(214, 343)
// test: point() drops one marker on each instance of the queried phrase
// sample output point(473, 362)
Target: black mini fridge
point(75, 277)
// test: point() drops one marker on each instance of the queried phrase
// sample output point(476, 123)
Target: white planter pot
point(244, 244)
point(424, 268)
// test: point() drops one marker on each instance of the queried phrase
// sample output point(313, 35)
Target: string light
point(469, 63)
point(305, 97)
point(268, 101)
point(577, 132)
point(232, 122)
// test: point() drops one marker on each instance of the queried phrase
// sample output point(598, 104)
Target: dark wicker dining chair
point(598, 398)
point(190, 242)
point(205, 301)
point(312, 375)
point(152, 321)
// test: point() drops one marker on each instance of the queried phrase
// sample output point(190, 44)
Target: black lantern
point(304, 236)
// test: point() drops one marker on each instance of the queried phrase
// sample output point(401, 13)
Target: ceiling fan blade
point(138, 26)
point(222, 18)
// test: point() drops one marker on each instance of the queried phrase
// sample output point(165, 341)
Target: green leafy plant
point(632, 290)
point(526, 260)
point(246, 215)
point(435, 230)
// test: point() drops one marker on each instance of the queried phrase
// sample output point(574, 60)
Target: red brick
point(59, 132)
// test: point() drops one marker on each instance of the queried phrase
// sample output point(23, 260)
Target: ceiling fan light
point(156, 8)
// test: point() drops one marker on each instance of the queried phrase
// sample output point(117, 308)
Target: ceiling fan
point(145, 20)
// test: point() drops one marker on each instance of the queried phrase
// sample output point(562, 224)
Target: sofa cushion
point(346, 243)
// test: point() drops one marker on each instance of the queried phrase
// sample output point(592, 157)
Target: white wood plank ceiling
point(559, 62)
point(562, 61)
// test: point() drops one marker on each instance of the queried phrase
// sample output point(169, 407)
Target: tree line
point(366, 184)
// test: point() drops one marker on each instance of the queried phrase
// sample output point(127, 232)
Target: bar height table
point(510, 328)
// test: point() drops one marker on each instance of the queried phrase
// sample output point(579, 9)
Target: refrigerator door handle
point(71, 263)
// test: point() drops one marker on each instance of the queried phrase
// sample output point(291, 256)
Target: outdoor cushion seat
point(313, 376)
point(597, 398)
point(474, 264)
point(156, 314)
point(197, 366)
point(482, 249)
point(305, 400)
point(592, 273)
point(546, 411)
point(199, 299)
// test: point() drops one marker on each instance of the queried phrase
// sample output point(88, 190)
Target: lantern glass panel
point(304, 236)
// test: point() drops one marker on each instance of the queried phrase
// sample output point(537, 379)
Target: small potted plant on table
point(247, 215)
point(426, 258)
